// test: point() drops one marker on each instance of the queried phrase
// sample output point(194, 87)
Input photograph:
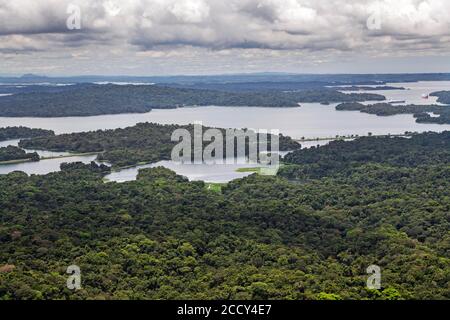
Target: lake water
point(6, 143)
point(41, 153)
point(194, 172)
point(414, 92)
point(44, 166)
point(311, 120)
point(220, 173)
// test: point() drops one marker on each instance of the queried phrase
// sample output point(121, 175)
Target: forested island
point(309, 233)
point(11, 153)
point(92, 99)
point(443, 96)
point(11, 133)
point(142, 143)
point(420, 112)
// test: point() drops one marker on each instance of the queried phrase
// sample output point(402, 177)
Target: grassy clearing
point(254, 170)
point(215, 187)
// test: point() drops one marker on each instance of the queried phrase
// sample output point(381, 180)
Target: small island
point(11, 154)
point(422, 113)
point(10, 133)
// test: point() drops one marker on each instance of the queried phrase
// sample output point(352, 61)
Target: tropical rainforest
point(10, 153)
point(10, 133)
point(142, 143)
point(439, 114)
point(443, 96)
point(92, 99)
point(308, 233)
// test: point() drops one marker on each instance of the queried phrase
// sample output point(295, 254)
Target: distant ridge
point(237, 78)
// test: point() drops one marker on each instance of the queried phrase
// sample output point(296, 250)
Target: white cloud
point(326, 26)
point(190, 11)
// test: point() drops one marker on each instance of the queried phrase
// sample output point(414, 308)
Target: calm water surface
point(414, 92)
point(311, 120)
point(44, 166)
point(194, 172)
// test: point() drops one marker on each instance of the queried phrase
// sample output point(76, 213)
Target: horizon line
point(30, 75)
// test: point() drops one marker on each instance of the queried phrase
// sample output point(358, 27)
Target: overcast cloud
point(211, 36)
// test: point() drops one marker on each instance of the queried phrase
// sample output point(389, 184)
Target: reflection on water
point(311, 120)
point(413, 94)
point(44, 166)
point(216, 173)
point(48, 154)
point(194, 172)
point(6, 143)
point(41, 153)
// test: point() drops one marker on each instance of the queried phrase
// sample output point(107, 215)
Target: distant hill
point(32, 76)
point(326, 79)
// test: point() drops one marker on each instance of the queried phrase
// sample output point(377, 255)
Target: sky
point(166, 37)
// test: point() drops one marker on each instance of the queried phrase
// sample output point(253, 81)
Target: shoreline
point(16, 161)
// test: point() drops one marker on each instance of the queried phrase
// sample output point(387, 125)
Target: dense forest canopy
point(309, 233)
point(341, 156)
point(420, 112)
point(144, 142)
point(14, 153)
point(261, 86)
point(92, 99)
point(443, 96)
point(10, 133)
